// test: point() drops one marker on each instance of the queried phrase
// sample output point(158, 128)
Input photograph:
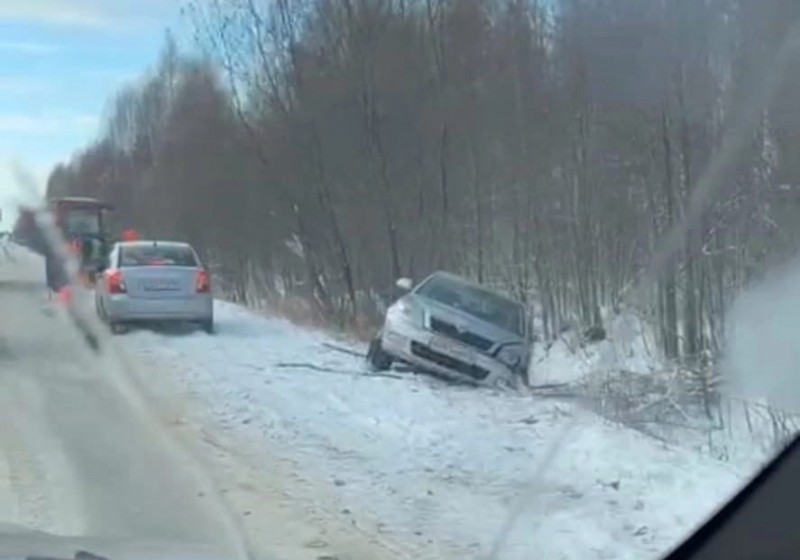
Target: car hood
point(19, 542)
point(472, 323)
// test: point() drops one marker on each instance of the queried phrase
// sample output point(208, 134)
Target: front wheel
point(376, 357)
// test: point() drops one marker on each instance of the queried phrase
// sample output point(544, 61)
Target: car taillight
point(115, 281)
point(203, 282)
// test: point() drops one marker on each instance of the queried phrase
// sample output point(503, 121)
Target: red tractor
point(81, 221)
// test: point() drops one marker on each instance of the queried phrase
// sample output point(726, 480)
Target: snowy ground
point(627, 381)
point(437, 470)
point(629, 346)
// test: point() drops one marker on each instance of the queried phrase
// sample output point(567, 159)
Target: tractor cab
point(82, 222)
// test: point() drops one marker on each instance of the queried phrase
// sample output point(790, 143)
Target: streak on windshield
point(484, 304)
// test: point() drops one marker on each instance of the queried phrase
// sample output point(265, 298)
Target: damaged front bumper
point(440, 355)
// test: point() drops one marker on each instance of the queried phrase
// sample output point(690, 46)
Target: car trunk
point(160, 282)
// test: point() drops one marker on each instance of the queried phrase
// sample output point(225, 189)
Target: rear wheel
point(98, 307)
point(50, 274)
point(376, 357)
point(118, 328)
point(208, 326)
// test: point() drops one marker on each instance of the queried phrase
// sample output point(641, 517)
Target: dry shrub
point(682, 407)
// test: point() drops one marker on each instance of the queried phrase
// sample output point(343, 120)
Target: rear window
point(159, 255)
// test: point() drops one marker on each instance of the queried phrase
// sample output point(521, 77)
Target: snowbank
point(438, 467)
point(629, 346)
point(625, 379)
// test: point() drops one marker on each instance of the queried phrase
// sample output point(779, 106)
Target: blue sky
point(60, 63)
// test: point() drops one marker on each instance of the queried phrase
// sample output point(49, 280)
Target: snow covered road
point(429, 470)
point(79, 454)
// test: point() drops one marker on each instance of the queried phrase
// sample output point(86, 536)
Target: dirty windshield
point(244, 359)
point(478, 302)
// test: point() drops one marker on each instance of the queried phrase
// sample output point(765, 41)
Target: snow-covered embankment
point(430, 469)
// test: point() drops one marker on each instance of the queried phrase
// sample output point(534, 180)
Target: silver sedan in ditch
point(455, 328)
point(154, 281)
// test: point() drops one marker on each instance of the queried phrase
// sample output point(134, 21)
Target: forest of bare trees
point(316, 150)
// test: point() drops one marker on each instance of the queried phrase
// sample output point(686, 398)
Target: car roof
point(465, 281)
point(153, 242)
point(455, 277)
point(80, 201)
point(74, 199)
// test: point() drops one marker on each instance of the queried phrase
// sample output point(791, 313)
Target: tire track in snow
point(23, 499)
point(286, 513)
point(41, 478)
point(82, 454)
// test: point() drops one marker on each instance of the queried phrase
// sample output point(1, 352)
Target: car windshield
point(154, 254)
point(483, 304)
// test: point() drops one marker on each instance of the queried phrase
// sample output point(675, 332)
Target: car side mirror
point(404, 284)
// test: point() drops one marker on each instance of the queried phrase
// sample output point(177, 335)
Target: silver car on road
point(455, 328)
point(154, 281)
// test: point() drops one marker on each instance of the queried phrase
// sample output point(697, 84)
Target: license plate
point(453, 349)
point(160, 285)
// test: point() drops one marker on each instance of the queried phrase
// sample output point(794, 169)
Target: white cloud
point(48, 123)
point(28, 47)
point(89, 13)
point(21, 85)
point(52, 12)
